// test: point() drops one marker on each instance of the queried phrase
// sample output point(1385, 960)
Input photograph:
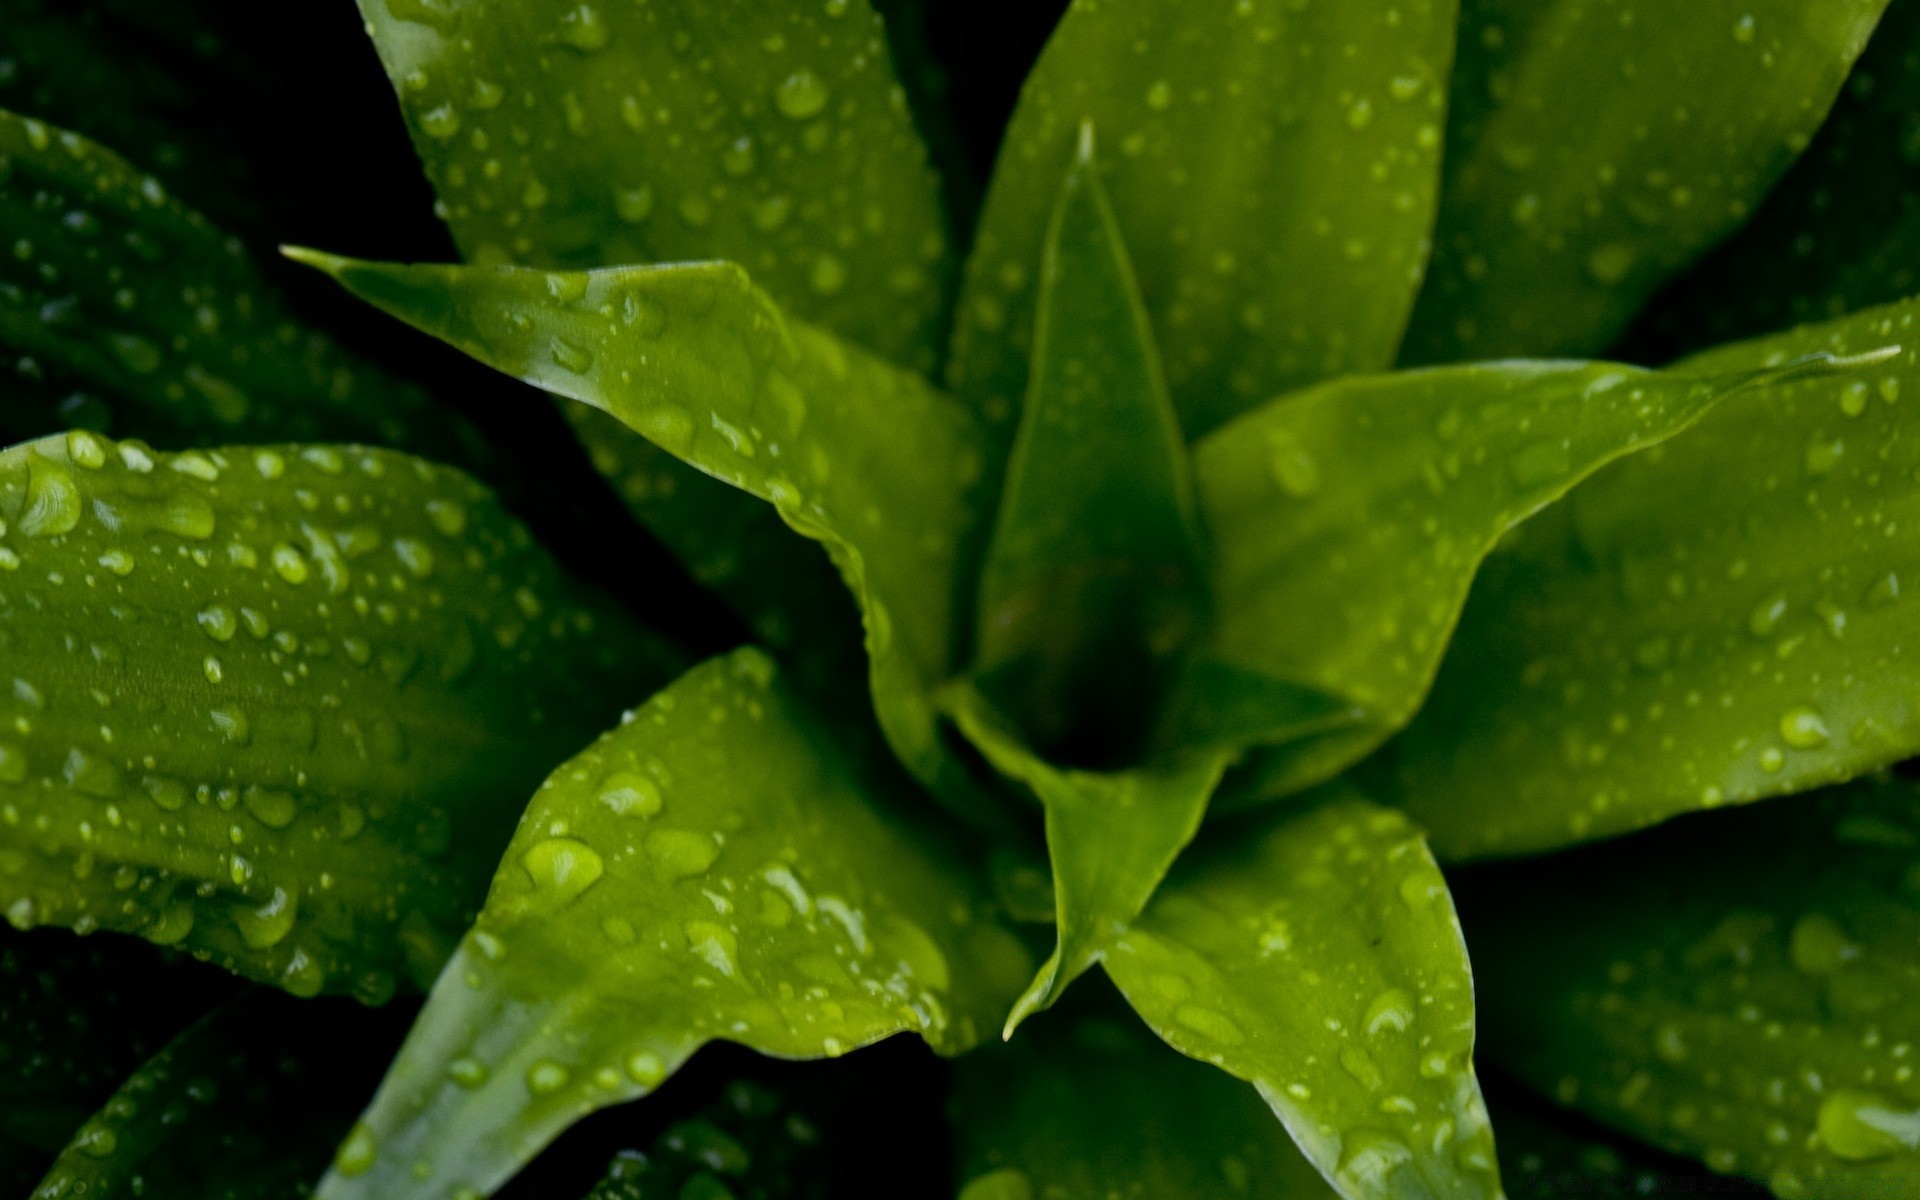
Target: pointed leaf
point(860, 456)
point(714, 868)
point(1318, 958)
point(1092, 579)
point(188, 1123)
point(1593, 152)
point(127, 311)
point(1276, 182)
point(1840, 233)
point(1720, 621)
point(279, 706)
point(1347, 523)
point(1087, 1105)
point(1747, 1001)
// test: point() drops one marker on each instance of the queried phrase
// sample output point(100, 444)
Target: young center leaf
point(1087, 1104)
point(1713, 623)
point(1593, 152)
point(189, 1121)
point(1274, 167)
point(714, 868)
point(1748, 1001)
point(279, 706)
point(865, 458)
point(122, 311)
point(1347, 523)
point(1317, 956)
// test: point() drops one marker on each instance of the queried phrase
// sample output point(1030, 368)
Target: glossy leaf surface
point(1318, 957)
point(188, 1122)
point(1274, 167)
point(279, 706)
point(1713, 623)
point(1347, 523)
point(860, 456)
point(1093, 578)
point(121, 310)
point(714, 868)
point(1747, 1001)
point(1087, 1104)
point(1593, 151)
point(569, 135)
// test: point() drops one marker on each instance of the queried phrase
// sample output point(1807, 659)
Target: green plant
point(1189, 637)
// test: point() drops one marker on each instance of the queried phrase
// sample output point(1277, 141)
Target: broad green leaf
point(1110, 837)
point(279, 706)
point(76, 1017)
point(1317, 956)
point(245, 1105)
point(715, 868)
point(855, 454)
point(1087, 1105)
point(568, 135)
point(1713, 623)
point(1593, 151)
point(1347, 523)
point(1276, 180)
point(1747, 1001)
point(123, 310)
point(1840, 233)
point(1093, 577)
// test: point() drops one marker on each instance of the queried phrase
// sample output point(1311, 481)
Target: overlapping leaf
point(715, 868)
point(1593, 151)
point(860, 456)
point(1716, 622)
point(279, 706)
point(1275, 176)
point(122, 310)
point(188, 1122)
point(1747, 1001)
point(1087, 1104)
point(754, 1143)
point(1318, 957)
point(1347, 523)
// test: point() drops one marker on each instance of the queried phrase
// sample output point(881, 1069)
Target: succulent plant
point(1319, 536)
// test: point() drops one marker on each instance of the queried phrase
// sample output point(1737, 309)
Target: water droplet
point(1009, 1183)
point(468, 1072)
point(1391, 1010)
point(53, 501)
point(357, 1153)
point(1818, 946)
point(629, 793)
point(680, 853)
point(1610, 264)
point(1743, 29)
point(546, 1077)
point(801, 95)
point(1160, 96)
point(714, 945)
point(267, 925)
point(1803, 728)
point(585, 29)
point(563, 868)
point(1860, 1126)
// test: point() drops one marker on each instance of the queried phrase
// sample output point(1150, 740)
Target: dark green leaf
point(1276, 176)
point(716, 868)
point(863, 457)
point(1712, 623)
point(1841, 232)
point(1318, 958)
point(1593, 151)
point(279, 706)
point(121, 309)
point(1747, 1001)
point(754, 1143)
point(1347, 523)
point(1092, 579)
point(246, 1105)
point(1087, 1105)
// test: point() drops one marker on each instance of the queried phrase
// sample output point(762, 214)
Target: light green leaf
point(1840, 232)
point(1087, 1105)
point(1593, 152)
point(1747, 1001)
point(1276, 181)
point(1092, 581)
point(245, 1105)
point(1347, 523)
point(131, 313)
point(860, 456)
point(1719, 621)
point(279, 706)
point(1318, 957)
point(715, 868)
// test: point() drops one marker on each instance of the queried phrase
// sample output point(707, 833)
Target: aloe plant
point(1340, 446)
